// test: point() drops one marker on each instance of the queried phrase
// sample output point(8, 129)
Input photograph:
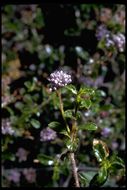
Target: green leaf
point(78, 115)
point(85, 177)
point(68, 113)
point(19, 105)
point(86, 91)
point(100, 178)
point(86, 103)
point(100, 93)
point(65, 133)
point(72, 145)
point(35, 123)
point(72, 89)
point(56, 171)
point(88, 126)
point(116, 163)
point(101, 150)
point(54, 124)
point(28, 99)
point(8, 156)
point(38, 20)
point(28, 84)
point(45, 160)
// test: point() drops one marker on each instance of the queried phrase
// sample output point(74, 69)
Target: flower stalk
point(73, 137)
point(62, 109)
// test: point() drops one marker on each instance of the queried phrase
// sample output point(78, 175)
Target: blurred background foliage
point(86, 40)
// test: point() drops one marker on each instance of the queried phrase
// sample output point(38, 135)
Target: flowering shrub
point(63, 95)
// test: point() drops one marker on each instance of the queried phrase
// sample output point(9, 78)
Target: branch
point(74, 169)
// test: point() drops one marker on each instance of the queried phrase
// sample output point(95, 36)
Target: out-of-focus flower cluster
point(30, 174)
point(6, 96)
point(114, 40)
point(106, 132)
point(59, 79)
point(7, 128)
point(14, 175)
point(22, 154)
point(47, 134)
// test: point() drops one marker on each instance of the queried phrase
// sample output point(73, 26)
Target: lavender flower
point(14, 175)
point(105, 131)
point(115, 40)
point(59, 79)
point(47, 134)
point(22, 154)
point(6, 127)
point(109, 41)
point(30, 175)
point(119, 40)
point(101, 32)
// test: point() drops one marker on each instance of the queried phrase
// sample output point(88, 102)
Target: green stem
point(73, 136)
point(62, 109)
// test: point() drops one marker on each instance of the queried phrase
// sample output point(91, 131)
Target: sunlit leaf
point(101, 150)
point(68, 113)
point(116, 163)
point(85, 103)
point(88, 126)
point(72, 88)
point(54, 124)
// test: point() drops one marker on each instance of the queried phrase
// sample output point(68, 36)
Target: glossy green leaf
point(45, 160)
point(100, 178)
point(72, 89)
point(35, 123)
point(100, 150)
point(85, 103)
point(54, 124)
point(88, 126)
point(116, 163)
point(68, 113)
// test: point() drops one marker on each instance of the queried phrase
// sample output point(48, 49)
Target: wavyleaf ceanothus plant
point(82, 100)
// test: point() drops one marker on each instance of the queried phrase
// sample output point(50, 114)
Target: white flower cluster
point(59, 79)
point(6, 127)
point(114, 40)
point(119, 40)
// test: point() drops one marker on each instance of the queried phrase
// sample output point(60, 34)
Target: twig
point(74, 169)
